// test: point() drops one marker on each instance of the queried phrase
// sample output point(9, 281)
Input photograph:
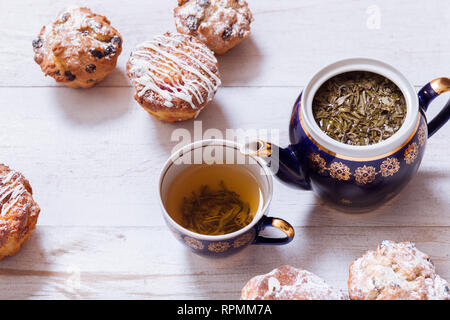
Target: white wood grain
point(93, 156)
point(290, 39)
point(133, 262)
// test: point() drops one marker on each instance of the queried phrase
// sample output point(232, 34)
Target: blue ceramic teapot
point(355, 177)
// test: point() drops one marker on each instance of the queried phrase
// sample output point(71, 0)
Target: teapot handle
point(427, 94)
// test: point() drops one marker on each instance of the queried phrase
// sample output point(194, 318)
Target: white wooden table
point(93, 156)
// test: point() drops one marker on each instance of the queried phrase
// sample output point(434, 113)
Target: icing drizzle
point(158, 64)
point(10, 192)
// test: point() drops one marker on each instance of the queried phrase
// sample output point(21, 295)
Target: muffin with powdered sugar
point(79, 49)
point(221, 24)
point(289, 283)
point(396, 271)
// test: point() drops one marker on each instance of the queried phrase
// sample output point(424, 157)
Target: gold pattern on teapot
point(411, 153)
point(367, 174)
point(339, 171)
point(389, 167)
point(421, 135)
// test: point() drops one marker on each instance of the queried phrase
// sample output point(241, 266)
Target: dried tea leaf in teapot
point(359, 108)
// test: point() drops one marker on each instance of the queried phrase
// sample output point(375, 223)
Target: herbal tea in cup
point(214, 199)
point(217, 203)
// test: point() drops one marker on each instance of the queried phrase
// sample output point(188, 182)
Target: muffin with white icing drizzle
point(221, 24)
point(175, 76)
point(396, 271)
point(289, 283)
point(79, 49)
point(18, 211)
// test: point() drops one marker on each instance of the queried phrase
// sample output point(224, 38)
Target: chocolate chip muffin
point(289, 283)
point(175, 76)
point(396, 271)
point(221, 24)
point(18, 211)
point(79, 49)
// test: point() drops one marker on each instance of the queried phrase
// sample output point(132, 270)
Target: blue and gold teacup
point(355, 177)
point(222, 152)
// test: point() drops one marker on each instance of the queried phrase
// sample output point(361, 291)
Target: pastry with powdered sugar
point(396, 271)
point(289, 283)
point(175, 76)
point(221, 24)
point(18, 211)
point(79, 49)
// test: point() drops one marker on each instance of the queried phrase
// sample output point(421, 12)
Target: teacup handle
point(279, 224)
point(427, 94)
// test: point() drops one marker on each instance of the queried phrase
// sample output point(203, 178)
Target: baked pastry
point(18, 211)
point(175, 76)
point(221, 24)
point(396, 271)
point(79, 49)
point(288, 283)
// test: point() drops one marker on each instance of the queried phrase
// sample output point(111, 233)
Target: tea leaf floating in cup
point(214, 199)
point(359, 108)
point(215, 212)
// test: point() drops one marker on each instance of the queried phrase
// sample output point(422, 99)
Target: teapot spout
point(282, 162)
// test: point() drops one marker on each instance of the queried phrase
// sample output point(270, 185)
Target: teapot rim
point(360, 64)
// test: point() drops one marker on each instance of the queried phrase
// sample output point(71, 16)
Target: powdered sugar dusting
point(274, 285)
point(396, 271)
point(221, 24)
point(288, 283)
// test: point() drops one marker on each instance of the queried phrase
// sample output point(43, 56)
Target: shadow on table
point(20, 276)
point(417, 198)
point(31, 273)
point(224, 278)
point(176, 135)
point(241, 64)
point(95, 105)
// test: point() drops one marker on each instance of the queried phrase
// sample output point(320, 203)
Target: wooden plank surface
point(99, 146)
point(290, 39)
point(93, 156)
point(133, 262)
